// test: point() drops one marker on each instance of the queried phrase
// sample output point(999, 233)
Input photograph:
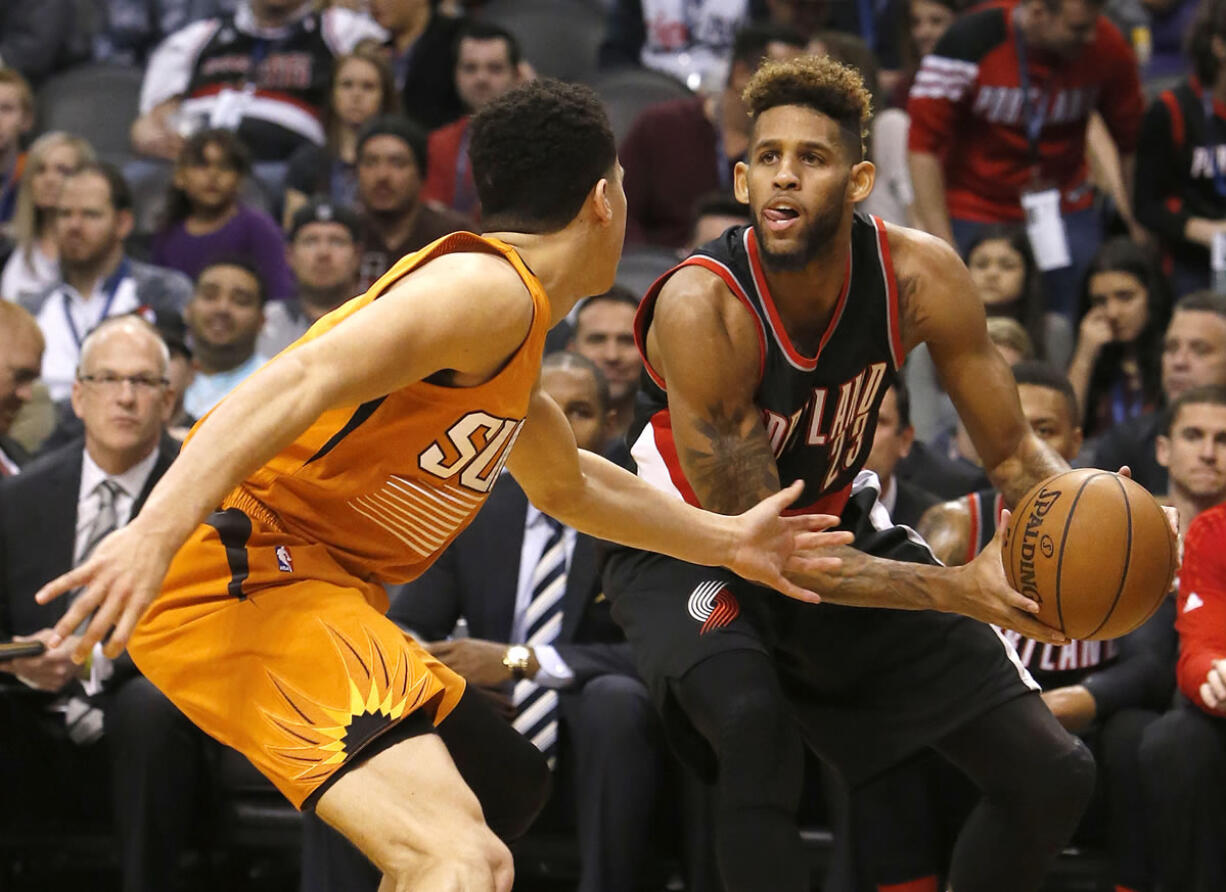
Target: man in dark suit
point(540, 640)
point(21, 358)
point(56, 755)
point(892, 443)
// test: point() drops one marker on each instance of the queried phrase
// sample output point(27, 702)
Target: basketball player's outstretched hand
point(770, 544)
point(983, 592)
point(120, 579)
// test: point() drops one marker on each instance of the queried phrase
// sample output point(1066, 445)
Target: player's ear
point(860, 184)
point(740, 182)
point(602, 207)
point(1162, 451)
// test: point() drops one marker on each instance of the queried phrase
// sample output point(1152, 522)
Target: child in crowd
point(205, 219)
point(33, 267)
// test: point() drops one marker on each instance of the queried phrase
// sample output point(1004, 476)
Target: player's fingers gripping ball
point(1094, 549)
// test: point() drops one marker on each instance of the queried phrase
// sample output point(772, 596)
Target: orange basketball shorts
point(266, 643)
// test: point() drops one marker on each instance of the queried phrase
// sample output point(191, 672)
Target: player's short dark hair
point(1196, 396)
point(618, 294)
point(478, 30)
point(750, 43)
point(820, 83)
point(120, 192)
point(404, 129)
point(1036, 373)
point(568, 359)
point(902, 402)
point(238, 261)
point(1202, 302)
point(1208, 22)
point(536, 153)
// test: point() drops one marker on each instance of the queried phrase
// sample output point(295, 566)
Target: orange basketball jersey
point(386, 485)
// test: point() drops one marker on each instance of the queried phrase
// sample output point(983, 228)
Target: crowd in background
point(210, 177)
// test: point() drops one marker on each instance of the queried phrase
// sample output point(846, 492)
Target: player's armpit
point(947, 530)
point(705, 344)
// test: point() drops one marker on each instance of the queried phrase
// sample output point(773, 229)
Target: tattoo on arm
point(947, 532)
point(867, 581)
point(733, 468)
point(1033, 462)
point(910, 316)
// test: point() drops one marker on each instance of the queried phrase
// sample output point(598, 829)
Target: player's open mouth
point(779, 218)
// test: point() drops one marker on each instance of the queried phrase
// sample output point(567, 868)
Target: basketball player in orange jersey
point(354, 458)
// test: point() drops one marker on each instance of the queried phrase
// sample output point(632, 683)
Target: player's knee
point(1061, 785)
point(754, 718)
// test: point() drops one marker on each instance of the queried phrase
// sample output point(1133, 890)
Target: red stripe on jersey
point(648, 305)
point(1176, 113)
point(923, 884)
point(830, 503)
point(274, 95)
point(891, 284)
point(797, 358)
point(972, 540)
point(662, 430)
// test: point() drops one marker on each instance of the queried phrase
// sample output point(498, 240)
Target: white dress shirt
point(554, 673)
point(889, 494)
point(64, 338)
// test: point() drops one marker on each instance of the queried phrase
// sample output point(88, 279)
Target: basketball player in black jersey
point(767, 354)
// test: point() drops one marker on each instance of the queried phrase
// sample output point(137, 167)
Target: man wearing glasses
point(52, 712)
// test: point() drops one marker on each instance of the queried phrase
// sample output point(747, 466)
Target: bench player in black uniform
point(767, 354)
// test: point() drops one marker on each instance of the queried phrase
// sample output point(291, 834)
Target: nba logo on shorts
point(285, 563)
point(713, 605)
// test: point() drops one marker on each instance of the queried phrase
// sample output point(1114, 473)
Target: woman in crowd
point(34, 264)
point(1011, 287)
point(1116, 367)
point(362, 89)
point(205, 219)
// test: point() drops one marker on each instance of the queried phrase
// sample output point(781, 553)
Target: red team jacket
point(1201, 620)
point(966, 108)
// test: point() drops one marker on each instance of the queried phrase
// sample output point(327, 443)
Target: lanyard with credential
point(109, 288)
point(1219, 175)
point(1034, 115)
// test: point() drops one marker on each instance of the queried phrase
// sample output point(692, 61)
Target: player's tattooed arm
point(947, 530)
point(728, 461)
point(939, 306)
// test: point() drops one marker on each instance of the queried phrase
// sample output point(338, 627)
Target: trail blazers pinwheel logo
point(713, 605)
point(318, 736)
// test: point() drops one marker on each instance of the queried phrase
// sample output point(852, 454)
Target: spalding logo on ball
point(1094, 550)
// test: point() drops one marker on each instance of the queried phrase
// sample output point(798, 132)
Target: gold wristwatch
point(516, 659)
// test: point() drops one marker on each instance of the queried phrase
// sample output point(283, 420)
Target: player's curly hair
point(817, 82)
point(536, 152)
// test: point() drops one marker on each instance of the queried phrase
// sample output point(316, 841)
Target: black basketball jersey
point(1052, 665)
point(820, 412)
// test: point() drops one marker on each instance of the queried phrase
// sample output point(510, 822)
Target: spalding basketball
point(1094, 549)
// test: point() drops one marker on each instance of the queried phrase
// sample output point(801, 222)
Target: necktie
point(536, 707)
point(105, 521)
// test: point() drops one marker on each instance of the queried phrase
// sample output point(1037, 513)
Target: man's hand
point(479, 661)
point(120, 579)
point(981, 591)
point(768, 545)
point(1213, 688)
point(152, 135)
point(1074, 707)
point(50, 671)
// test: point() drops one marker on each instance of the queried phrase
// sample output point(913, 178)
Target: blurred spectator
point(1181, 174)
point(690, 41)
point(892, 441)
point(978, 150)
point(395, 221)
point(224, 317)
point(93, 216)
point(1010, 286)
point(577, 696)
point(713, 215)
point(41, 37)
point(362, 88)
point(487, 65)
point(323, 254)
point(180, 370)
point(1116, 366)
point(421, 40)
point(870, 23)
point(34, 264)
point(604, 333)
point(678, 151)
point(131, 29)
point(264, 71)
point(205, 218)
point(1157, 29)
point(924, 23)
point(16, 118)
point(51, 517)
point(21, 358)
point(1108, 691)
point(1183, 754)
point(1193, 355)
